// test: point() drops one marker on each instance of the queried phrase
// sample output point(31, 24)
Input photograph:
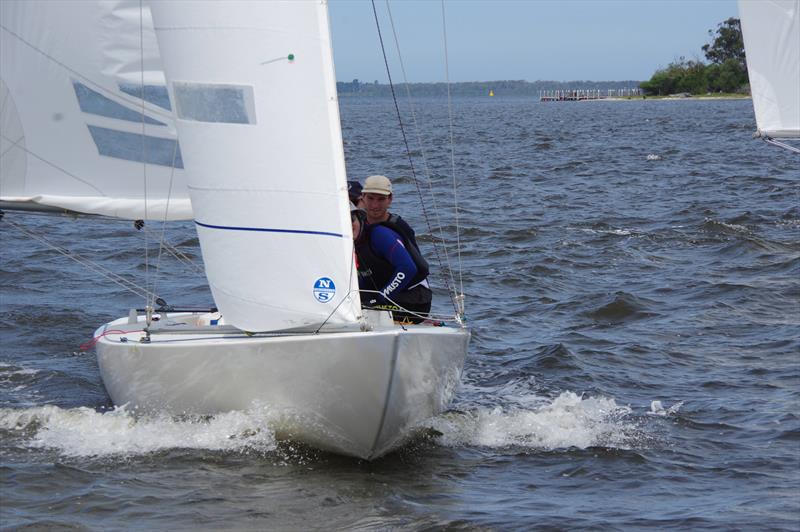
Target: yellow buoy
point(491, 92)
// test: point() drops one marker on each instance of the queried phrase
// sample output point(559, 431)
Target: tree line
point(726, 70)
point(479, 88)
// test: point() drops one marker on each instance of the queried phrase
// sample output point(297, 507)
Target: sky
point(487, 40)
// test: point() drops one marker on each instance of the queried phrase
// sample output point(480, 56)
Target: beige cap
point(377, 184)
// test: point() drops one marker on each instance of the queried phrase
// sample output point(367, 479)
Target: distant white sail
point(75, 128)
point(771, 31)
point(258, 118)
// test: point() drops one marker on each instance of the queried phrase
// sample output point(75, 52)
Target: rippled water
point(632, 277)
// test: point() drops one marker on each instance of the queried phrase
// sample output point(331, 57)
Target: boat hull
point(354, 393)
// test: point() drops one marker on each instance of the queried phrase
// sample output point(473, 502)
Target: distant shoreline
point(521, 88)
point(679, 98)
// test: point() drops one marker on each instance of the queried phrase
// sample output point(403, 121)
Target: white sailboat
point(771, 32)
point(260, 168)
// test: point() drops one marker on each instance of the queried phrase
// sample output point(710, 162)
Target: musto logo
point(394, 284)
point(324, 289)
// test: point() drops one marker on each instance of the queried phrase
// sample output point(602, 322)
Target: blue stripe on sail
point(268, 230)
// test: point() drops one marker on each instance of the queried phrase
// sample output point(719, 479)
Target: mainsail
point(258, 118)
point(86, 122)
point(771, 31)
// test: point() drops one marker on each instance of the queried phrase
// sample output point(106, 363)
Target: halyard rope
point(147, 303)
point(460, 308)
point(161, 241)
point(449, 270)
point(408, 153)
point(93, 266)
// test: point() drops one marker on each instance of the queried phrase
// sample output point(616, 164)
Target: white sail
point(258, 118)
point(75, 129)
point(771, 31)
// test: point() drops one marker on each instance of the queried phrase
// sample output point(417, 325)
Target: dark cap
point(354, 190)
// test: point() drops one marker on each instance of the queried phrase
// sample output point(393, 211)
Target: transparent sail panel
point(215, 103)
point(155, 94)
point(93, 102)
point(135, 147)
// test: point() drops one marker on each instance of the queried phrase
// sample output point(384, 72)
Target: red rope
point(91, 343)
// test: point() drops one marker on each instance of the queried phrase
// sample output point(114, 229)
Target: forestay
point(771, 31)
point(76, 133)
point(258, 118)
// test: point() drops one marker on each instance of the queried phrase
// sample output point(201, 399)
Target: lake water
point(632, 273)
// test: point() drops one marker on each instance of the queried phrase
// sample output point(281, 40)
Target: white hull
point(355, 393)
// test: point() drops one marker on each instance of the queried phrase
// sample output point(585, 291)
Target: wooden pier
point(568, 95)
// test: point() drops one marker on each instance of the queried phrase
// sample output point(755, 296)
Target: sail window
point(92, 102)
point(155, 94)
point(232, 104)
point(136, 147)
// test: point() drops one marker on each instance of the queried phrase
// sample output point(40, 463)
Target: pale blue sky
point(523, 39)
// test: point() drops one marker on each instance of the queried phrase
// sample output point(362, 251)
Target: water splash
point(84, 432)
point(568, 421)
point(657, 409)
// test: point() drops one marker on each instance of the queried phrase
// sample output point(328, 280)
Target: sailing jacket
point(398, 225)
point(388, 261)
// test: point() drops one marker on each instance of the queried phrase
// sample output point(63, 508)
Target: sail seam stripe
point(268, 230)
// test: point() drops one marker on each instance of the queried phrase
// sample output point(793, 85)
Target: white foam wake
point(85, 432)
point(568, 421)
point(526, 420)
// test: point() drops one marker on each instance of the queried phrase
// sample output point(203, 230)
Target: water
point(632, 279)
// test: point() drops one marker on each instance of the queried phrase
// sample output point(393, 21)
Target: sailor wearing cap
point(389, 260)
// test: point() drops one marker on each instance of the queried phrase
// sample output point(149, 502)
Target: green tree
point(729, 76)
point(691, 77)
point(727, 43)
point(726, 73)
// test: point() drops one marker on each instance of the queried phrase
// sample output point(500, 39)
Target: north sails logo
point(324, 289)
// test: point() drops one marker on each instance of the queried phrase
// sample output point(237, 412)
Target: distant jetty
point(575, 95)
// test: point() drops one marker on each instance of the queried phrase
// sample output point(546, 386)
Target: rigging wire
point(164, 221)
point(449, 269)
point(15, 144)
point(179, 255)
point(460, 309)
point(172, 249)
point(93, 266)
point(408, 151)
point(153, 111)
point(784, 145)
point(147, 302)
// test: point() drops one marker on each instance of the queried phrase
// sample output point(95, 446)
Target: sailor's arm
point(389, 245)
